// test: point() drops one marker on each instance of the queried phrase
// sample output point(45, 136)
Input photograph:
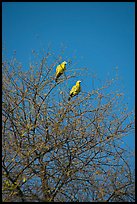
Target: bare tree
point(60, 150)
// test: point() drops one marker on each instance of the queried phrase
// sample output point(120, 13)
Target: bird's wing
point(60, 69)
point(63, 67)
point(73, 90)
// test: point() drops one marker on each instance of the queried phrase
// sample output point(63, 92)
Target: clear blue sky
point(101, 35)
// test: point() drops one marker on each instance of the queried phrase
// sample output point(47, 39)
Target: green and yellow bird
point(60, 69)
point(75, 90)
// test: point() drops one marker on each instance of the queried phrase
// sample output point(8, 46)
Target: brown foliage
point(56, 150)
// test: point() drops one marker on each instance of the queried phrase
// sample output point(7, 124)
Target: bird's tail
point(69, 98)
point(56, 79)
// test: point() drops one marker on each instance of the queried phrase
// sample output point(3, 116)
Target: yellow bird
point(75, 90)
point(60, 69)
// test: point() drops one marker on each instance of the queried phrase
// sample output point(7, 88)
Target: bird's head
point(64, 62)
point(78, 81)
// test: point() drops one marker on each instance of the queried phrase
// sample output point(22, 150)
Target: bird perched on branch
point(60, 69)
point(75, 90)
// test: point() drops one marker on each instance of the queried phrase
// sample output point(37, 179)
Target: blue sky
point(100, 35)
